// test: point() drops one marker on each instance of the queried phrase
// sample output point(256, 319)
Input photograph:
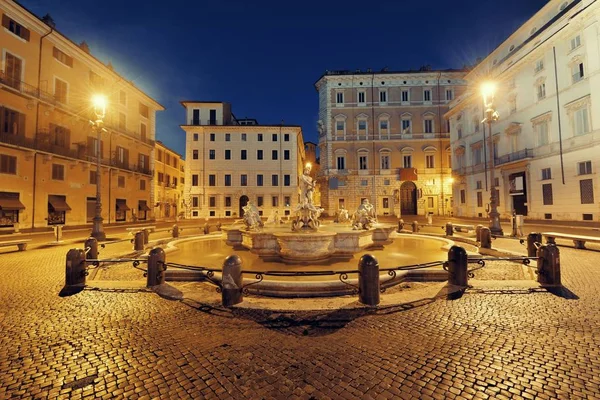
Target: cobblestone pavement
point(134, 344)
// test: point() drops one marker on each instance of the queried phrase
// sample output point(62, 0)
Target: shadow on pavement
point(70, 290)
point(563, 292)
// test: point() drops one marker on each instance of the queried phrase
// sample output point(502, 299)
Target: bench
point(21, 244)
point(578, 240)
point(463, 228)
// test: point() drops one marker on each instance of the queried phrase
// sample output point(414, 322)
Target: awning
point(144, 207)
point(122, 206)
point(11, 204)
point(58, 203)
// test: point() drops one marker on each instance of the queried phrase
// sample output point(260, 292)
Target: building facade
point(382, 137)
point(168, 183)
point(48, 150)
point(546, 142)
point(230, 162)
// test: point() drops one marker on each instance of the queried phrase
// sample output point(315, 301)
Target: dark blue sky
point(264, 56)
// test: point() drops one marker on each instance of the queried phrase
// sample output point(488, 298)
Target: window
point(407, 161)
point(13, 71)
point(212, 201)
point(212, 154)
point(286, 137)
point(385, 161)
point(364, 182)
point(430, 161)
point(584, 168)
point(144, 110)
point(341, 162)
point(383, 96)
point(244, 137)
point(195, 154)
point(63, 57)
point(143, 132)
point(362, 126)
point(212, 180)
point(58, 172)
point(274, 137)
point(260, 137)
point(287, 200)
point(195, 137)
point(542, 133)
point(243, 180)
point(339, 98)
point(386, 182)
point(14, 27)
point(547, 194)
point(259, 154)
point(362, 162)
point(227, 201)
point(541, 91)
point(122, 121)
point(228, 137)
point(586, 189)
point(122, 98)
point(195, 201)
point(428, 125)
point(228, 154)
point(581, 121)
point(121, 181)
point(194, 180)
point(478, 185)
point(479, 199)
point(212, 137)
point(539, 66)
point(361, 98)
point(463, 197)
point(93, 177)
point(227, 180)
point(57, 208)
point(60, 90)
point(477, 156)
point(259, 180)
point(8, 164)
point(575, 42)
point(161, 177)
point(286, 154)
point(426, 95)
point(244, 154)
point(274, 180)
point(577, 72)
point(275, 201)
point(406, 126)
point(274, 155)
point(259, 201)
point(339, 126)
point(142, 184)
point(546, 174)
point(449, 94)
point(286, 180)
point(405, 96)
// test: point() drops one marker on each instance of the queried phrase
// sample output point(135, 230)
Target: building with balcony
point(382, 136)
point(48, 150)
point(230, 162)
point(168, 183)
point(546, 142)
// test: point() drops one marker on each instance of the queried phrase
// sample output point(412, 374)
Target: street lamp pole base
point(495, 227)
point(98, 229)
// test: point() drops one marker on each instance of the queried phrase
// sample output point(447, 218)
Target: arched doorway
point(408, 198)
point(243, 203)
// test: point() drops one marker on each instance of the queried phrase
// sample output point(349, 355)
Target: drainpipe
point(37, 113)
point(560, 144)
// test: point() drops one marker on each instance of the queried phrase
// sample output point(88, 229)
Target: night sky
point(264, 56)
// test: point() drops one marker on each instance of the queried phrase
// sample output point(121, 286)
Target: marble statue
point(307, 215)
point(364, 217)
point(274, 218)
point(342, 216)
point(252, 217)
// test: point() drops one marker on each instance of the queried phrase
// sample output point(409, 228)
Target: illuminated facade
point(546, 141)
point(230, 162)
point(382, 136)
point(168, 183)
point(47, 147)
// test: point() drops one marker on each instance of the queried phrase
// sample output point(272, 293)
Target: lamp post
point(99, 103)
point(488, 90)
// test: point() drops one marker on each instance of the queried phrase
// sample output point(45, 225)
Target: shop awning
point(144, 207)
point(122, 206)
point(58, 203)
point(11, 204)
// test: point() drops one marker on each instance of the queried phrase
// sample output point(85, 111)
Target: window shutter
point(55, 52)
point(5, 21)
point(21, 128)
point(25, 34)
point(70, 61)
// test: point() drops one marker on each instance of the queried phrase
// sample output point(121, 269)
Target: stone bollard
point(219, 225)
point(138, 241)
point(146, 235)
point(449, 229)
point(175, 231)
point(232, 282)
point(532, 239)
point(156, 267)
point(368, 280)
point(548, 265)
point(206, 228)
point(91, 245)
point(457, 266)
point(415, 227)
point(400, 225)
point(478, 232)
point(76, 268)
point(486, 238)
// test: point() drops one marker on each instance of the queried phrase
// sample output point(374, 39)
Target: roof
point(385, 72)
point(184, 102)
point(161, 144)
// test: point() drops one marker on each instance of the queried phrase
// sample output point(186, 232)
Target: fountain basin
point(309, 246)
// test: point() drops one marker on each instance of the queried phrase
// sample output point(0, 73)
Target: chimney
point(84, 46)
point(47, 19)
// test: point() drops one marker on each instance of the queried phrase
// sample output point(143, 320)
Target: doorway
point(243, 203)
point(408, 198)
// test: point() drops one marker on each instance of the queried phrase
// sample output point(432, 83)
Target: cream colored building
point(47, 148)
point(546, 142)
point(230, 162)
point(168, 183)
point(382, 137)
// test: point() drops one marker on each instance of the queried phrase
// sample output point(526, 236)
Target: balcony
point(512, 157)
point(204, 122)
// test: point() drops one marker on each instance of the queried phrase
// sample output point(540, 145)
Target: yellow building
point(168, 183)
point(48, 150)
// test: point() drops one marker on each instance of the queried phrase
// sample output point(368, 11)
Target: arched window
point(406, 127)
point(385, 159)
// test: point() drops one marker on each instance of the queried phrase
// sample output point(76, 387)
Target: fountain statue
point(274, 218)
point(364, 217)
point(342, 216)
point(252, 217)
point(307, 215)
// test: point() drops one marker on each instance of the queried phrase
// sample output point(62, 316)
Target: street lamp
point(488, 89)
point(99, 103)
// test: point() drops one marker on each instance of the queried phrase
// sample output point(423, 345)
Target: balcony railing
point(394, 136)
point(201, 122)
point(516, 156)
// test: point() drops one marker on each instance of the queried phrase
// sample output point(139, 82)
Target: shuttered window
point(586, 189)
point(8, 164)
point(62, 57)
point(547, 194)
point(14, 27)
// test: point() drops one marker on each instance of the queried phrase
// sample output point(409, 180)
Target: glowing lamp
point(488, 89)
point(99, 102)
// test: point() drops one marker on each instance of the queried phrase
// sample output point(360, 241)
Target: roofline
point(184, 102)
point(350, 73)
point(94, 58)
point(310, 142)
point(246, 126)
point(168, 148)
